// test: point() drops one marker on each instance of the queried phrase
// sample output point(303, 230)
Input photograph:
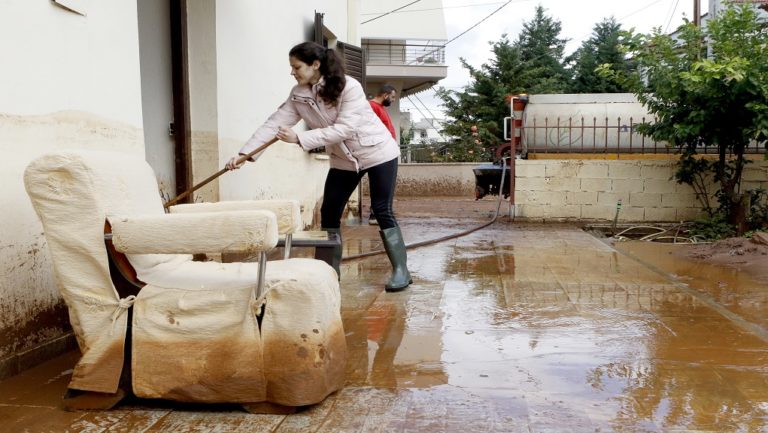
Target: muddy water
point(743, 292)
point(560, 332)
point(521, 328)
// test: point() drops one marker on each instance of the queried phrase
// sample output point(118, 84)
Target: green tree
point(542, 54)
point(533, 63)
point(602, 48)
point(481, 103)
point(707, 87)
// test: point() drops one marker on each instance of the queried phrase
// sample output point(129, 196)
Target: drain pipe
point(448, 237)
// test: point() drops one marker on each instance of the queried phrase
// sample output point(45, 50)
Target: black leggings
point(340, 184)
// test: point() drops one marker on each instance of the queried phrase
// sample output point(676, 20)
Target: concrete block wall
point(580, 190)
point(590, 190)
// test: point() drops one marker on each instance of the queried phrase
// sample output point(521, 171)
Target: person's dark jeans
point(340, 184)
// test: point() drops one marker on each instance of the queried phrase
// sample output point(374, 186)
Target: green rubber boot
point(395, 247)
point(335, 259)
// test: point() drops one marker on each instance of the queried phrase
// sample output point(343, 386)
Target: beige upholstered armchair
point(151, 321)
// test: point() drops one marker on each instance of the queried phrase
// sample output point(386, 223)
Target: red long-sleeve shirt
point(384, 116)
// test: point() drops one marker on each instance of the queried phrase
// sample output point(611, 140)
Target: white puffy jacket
point(354, 137)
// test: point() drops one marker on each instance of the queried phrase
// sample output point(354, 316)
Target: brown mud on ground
point(748, 255)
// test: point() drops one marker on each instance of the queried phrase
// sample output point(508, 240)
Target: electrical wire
point(416, 107)
point(430, 113)
point(392, 11)
point(443, 8)
point(640, 10)
point(635, 12)
point(479, 22)
point(465, 31)
point(672, 15)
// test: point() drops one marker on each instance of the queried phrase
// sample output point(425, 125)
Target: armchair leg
point(268, 408)
point(75, 400)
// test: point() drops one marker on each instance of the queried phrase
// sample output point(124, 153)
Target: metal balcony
point(408, 54)
point(418, 66)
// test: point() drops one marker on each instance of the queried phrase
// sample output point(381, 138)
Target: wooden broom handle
point(210, 178)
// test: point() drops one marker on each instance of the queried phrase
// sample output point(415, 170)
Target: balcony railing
point(383, 53)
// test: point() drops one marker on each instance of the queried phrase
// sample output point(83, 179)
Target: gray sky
point(577, 19)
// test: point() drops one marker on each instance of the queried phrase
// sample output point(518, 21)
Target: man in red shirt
point(383, 99)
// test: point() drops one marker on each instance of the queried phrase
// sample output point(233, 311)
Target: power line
point(640, 10)
point(637, 11)
point(417, 108)
point(441, 8)
point(674, 9)
point(521, 1)
point(425, 117)
point(392, 11)
point(431, 114)
point(480, 22)
point(467, 30)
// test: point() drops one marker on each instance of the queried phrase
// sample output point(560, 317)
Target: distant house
point(716, 6)
point(427, 131)
point(420, 138)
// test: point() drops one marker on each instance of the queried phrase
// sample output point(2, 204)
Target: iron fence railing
point(382, 53)
point(596, 135)
point(423, 152)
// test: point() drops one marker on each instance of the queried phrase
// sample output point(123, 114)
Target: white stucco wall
point(252, 44)
point(73, 80)
point(67, 81)
point(203, 96)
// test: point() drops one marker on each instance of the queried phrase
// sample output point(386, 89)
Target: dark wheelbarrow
point(488, 178)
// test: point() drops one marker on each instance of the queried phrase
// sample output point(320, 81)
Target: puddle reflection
point(565, 323)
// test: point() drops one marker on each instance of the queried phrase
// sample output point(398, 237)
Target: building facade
point(183, 83)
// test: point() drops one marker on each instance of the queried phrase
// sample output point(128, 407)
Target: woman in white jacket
point(334, 107)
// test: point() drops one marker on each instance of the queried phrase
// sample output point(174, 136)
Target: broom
point(217, 174)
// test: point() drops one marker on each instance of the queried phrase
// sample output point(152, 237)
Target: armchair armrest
point(214, 232)
point(288, 212)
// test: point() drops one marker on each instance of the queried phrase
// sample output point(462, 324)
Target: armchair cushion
point(288, 212)
point(209, 232)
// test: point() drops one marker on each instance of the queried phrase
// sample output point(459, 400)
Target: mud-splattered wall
point(69, 81)
point(73, 80)
point(438, 179)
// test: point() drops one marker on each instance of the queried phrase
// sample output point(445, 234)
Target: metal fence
point(422, 152)
point(596, 135)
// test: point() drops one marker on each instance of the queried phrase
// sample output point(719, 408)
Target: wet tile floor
point(513, 328)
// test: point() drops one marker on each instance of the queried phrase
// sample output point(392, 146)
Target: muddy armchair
point(191, 331)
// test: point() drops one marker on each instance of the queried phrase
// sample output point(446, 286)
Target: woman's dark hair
point(331, 68)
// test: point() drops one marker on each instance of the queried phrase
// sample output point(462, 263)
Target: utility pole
point(697, 13)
